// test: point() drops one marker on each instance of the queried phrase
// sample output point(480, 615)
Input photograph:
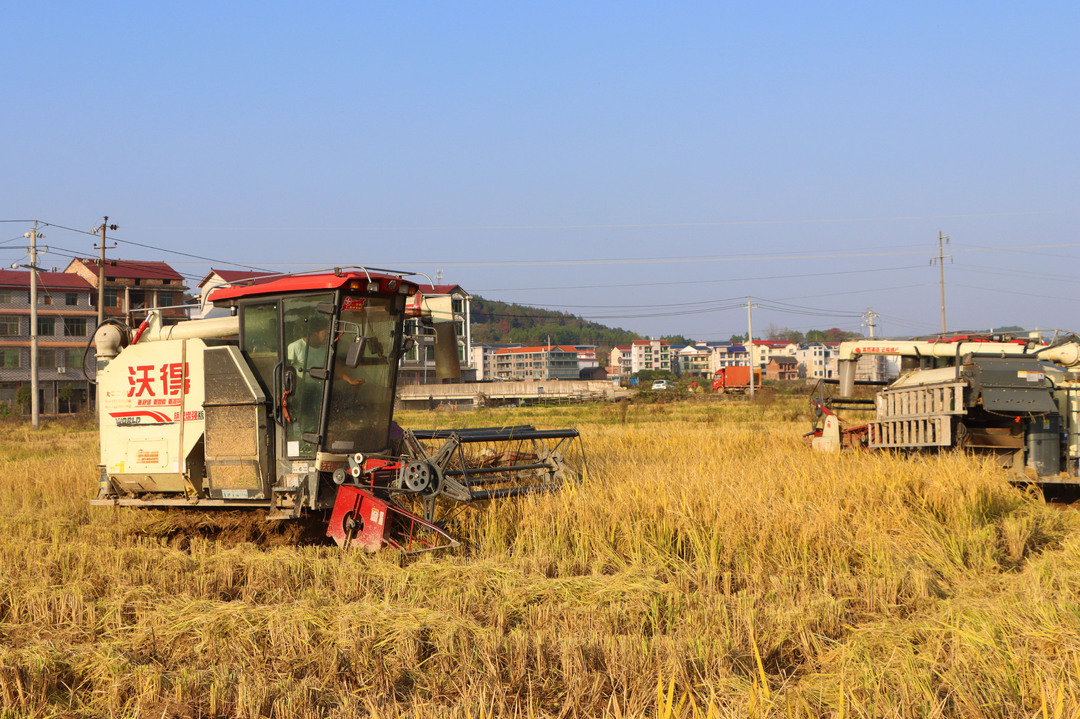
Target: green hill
point(496, 322)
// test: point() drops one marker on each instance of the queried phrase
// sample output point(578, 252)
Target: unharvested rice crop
point(712, 565)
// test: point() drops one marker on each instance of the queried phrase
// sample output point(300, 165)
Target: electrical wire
point(1054, 298)
point(702, 282)
point(617, 226)
point(153, 247)
point(1003, 272)
point(153, 272)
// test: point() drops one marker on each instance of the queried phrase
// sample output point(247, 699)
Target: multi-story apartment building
point(418, 364)
point(537, 363)
point(65, 323)
point(483, 360)
point(650, 355)
point(765, 350)
point(817, 360)
point(695, 361)
point(135, 285)
point(587, 361)
point(728, 355)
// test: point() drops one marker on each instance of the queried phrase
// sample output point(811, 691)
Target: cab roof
point(373, 282)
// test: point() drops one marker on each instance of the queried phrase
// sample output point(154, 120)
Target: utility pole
point(877, 371)
point(870, 316)
point(750, 342)
point(35, 404)
point(101, 268)
point(942, 240)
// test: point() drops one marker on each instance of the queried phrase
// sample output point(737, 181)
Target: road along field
point(712, 565)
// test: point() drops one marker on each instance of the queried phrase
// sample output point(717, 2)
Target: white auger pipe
point(1066, 354)
point(191, 329)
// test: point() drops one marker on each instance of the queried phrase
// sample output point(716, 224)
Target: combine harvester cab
point(1017, 398)
point(287, 406)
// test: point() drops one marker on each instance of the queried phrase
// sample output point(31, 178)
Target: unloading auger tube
point(286, 406)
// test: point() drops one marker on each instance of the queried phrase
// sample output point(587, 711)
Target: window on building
point(46, 326)
point(165, 299)
point(5, 297)
point(112, 299)
point(75, 327)
point(45, 299)
point(71, 298)
point(10, 327)
point(47, 359)
point(73, 358)
point(9, 358)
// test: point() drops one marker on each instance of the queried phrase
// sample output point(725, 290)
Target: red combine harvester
point(287, 406)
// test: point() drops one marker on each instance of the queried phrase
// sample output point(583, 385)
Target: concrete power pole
point(942, 240)
point(878, 369)
point(870, 316)
point(35, 403)
point(101, 268)
point(750, 342)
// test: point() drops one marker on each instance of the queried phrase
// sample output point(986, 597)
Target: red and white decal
point(353, 304)
point(140, 417)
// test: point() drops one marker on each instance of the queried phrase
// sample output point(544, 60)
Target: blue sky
point(646, 166)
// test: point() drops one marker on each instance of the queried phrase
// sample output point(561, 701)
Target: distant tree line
point(784, 334)
point(496, 322)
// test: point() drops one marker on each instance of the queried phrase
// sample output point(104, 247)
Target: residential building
point(619, 361)
point(728, 355)
point(781, 368)
point(537, 363)
point(587, 361)
point(650, 355)
point(695, 361)
point(218, 278)
point(482, 360)
point(817, 360)
point(65, 323)
point(132, 285)
point(418, 364)
point(765, 350)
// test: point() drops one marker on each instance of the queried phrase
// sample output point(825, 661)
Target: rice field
point(712, 566)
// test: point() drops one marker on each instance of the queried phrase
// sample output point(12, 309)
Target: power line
point(1055, 298)
point(155, 273)
point(711, 259)
point(160, 249)
point(601, 226)
point(984, 270)
point(858, 292)
point(702, 282)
